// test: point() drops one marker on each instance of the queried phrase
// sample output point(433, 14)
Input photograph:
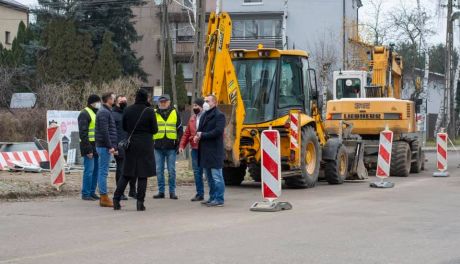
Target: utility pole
point(424, 91)
point(198, 56)
point(170, 54)
point(450, 117)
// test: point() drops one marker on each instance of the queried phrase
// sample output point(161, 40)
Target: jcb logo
point(362, 105)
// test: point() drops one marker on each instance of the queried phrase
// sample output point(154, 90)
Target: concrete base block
point(270, 206)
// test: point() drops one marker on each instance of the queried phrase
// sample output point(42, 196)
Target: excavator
point(265, 89)
point(371, 101)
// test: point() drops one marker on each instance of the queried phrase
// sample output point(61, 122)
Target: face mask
point(206, 106)
point(123, 105)
point(196, 111)
point(97, 105)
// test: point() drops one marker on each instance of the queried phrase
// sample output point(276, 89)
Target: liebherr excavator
point(260, 89)
point(371, 101)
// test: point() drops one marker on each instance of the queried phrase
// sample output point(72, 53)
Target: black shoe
point(88, 198)
point(123, 197)
point(173, 196)
point(95, 196)
point(140, 206)
point(132, 194)
point(197, 198)
point(116, 204)
point(159, 196)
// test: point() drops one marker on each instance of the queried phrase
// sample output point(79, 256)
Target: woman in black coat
point(139, 157)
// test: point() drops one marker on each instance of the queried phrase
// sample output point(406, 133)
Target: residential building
point(319, 27)
point(11, 14)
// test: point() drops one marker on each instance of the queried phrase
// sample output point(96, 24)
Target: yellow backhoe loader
point(260, 89)
point(371, 101)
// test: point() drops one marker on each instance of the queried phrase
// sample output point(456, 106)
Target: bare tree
point(377, 27)
point(6, 87)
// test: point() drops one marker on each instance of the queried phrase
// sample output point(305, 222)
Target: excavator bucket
point(230, 134)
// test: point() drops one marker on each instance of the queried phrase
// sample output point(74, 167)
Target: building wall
point(149, 27)
point(9, 22)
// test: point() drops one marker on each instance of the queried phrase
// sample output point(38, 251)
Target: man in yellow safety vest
point(166, 145)
point(86, 127)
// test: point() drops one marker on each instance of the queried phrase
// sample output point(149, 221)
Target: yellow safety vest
point(167, 128)
point(92, 124)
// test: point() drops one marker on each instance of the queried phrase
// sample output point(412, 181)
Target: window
point(187, 69)
point(307, 86)
point(253, 29)
point(291, 93)
point(348, 88)
point(184, 32)
point(7, 37)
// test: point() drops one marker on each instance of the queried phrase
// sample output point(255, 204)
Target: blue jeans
point(104, 161)
point(216, 185)
point(90, 172)
point(168, 156)
point(198, 173)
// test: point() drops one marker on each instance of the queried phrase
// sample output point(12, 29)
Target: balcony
point(251, 43)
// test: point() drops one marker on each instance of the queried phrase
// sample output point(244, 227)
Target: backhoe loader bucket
point(231, 155)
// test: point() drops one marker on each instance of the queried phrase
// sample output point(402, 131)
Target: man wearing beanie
point(187, 138)
point(86, 128)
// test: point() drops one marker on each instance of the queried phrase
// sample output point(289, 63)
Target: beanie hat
point(142, 96)
point(93, 99)
point(199, 102)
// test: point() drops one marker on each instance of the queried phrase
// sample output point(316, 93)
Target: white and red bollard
point(441, 155)
point(271, 174)
point(384, 160)
point(294, 136)
point(56, 156)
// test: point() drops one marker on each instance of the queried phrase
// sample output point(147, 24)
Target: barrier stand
point(271, 174)
point(384, 160)
point(56, 157)
point(441, 155)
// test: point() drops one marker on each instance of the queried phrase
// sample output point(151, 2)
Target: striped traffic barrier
point(294, 135)
point(56, 156)
point(271, 174)
point(384, 160)
point(441, 155)
point(34, 157)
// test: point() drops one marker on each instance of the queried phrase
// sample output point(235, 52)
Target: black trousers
point(119, 173)
point(123, 182)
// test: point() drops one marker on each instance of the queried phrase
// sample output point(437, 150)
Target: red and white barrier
point(271, 165)
point(384, 158)
point(271, 174)
point(33, 157)
point(294, 137)
point(56, 156)
point(441, 155)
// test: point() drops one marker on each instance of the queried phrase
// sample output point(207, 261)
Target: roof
point(14, 4)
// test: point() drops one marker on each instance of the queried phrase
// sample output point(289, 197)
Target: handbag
point(125, 143)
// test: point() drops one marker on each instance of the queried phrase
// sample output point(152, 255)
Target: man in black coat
point(117, 112)
point(86, 129)
point(210, 136)
point(106, 144)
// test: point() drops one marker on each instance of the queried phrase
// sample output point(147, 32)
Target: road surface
point(418, 221)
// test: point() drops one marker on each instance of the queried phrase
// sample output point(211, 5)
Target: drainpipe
point(343, 35)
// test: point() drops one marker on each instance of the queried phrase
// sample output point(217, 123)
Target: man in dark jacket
point(120, 104)
point(86, 128)
point(166, 145)
point(106, 144)
point(210, 136)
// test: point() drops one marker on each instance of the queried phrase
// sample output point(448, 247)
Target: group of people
point(142, 139)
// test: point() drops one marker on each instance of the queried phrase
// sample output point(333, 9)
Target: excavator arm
point(221, 81)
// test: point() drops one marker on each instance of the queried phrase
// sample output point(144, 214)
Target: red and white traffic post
point(56, 156)
point(441, 155)
point(271, 174)
point(384, 160)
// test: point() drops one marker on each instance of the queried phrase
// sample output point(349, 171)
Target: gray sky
point(430, 5)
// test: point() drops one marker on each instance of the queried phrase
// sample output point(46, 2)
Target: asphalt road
point(418, 221)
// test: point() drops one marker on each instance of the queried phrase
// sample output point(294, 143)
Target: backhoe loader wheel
point(416, 166)
point(401, 156)
point(336, 171)
point(254, 172)
point(234, 176)
point(310, 161)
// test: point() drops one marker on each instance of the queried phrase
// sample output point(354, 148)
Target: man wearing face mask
point(166, 145)
point(86, 128)
point(120, 104)
point(187, 138)
point(210, 139)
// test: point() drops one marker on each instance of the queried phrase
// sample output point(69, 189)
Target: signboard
point(68, 123)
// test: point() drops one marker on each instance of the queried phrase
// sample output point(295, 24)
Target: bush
point(22, 125)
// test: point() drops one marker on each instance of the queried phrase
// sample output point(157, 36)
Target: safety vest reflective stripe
point(167, 128)
point(92, 124)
